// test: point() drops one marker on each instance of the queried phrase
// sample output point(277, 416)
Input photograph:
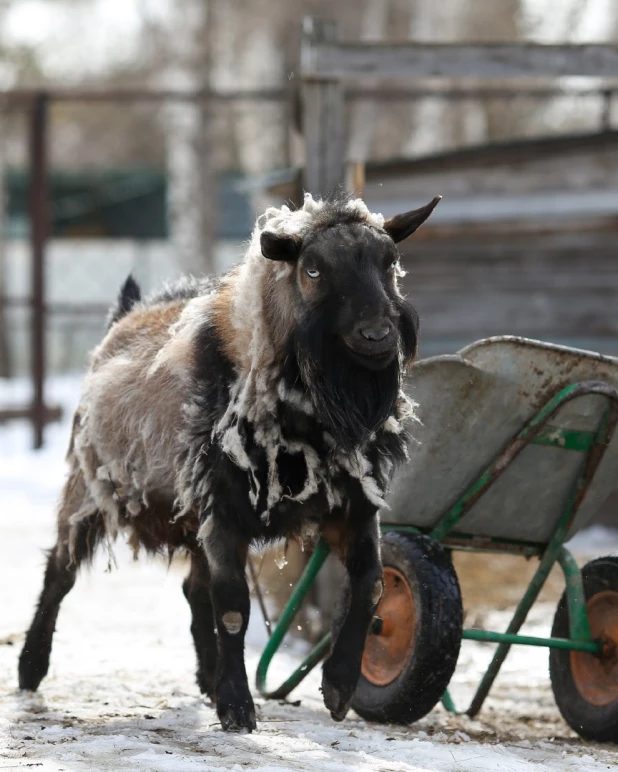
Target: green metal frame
point(536, 431)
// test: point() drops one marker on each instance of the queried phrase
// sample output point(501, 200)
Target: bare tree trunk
point(191, 187)
point(192, 192)
point(248, 54)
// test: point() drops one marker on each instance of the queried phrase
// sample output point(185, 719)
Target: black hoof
point(238, 716)
point(31, 672)
point(336, 701)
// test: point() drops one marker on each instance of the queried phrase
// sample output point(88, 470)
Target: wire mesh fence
point(160, 183)
point(117, 166)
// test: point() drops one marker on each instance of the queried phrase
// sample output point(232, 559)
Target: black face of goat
point(347, 277)
point(354, 331)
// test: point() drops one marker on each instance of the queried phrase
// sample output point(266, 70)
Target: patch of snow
point(594, 541)
point(121, 694)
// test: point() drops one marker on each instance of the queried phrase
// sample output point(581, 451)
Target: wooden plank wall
point(553, 277)
point(543, 167)
point(555, 285)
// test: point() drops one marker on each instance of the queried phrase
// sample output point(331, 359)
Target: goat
point(259, 406)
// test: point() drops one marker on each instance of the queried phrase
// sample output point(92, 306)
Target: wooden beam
point(454, 60)
point(23, 97)
point(15, 413)
point(488, 206)
point(593, 233)
point(508, 90)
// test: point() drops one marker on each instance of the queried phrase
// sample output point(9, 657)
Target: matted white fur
point(154, 439)
point(255, 395)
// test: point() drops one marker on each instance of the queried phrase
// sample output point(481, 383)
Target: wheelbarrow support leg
point(289, 612)
point(579, 626)
point(531, 594)
point(555, 551)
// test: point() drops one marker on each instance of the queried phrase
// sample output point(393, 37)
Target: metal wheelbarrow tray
point(515, 454)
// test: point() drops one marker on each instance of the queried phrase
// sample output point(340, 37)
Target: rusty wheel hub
point(596, 678)
point(391, 642)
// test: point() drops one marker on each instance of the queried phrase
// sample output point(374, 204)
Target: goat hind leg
point(226, 552)
point(197, 593)
point(60, 575)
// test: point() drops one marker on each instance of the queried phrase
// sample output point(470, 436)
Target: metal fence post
point(323, 115)
point(38, 238)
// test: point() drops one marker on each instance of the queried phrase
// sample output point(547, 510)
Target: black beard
point(351, 401)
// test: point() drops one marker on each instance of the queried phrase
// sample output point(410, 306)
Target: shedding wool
point(161, 449)
point(264, 405)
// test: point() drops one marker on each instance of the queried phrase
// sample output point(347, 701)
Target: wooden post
point(356, 178)
point(323, 115)
point(38, 238)
point(606, 115)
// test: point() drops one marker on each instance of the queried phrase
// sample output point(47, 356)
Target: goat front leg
point(226, 553)
point(358, 546)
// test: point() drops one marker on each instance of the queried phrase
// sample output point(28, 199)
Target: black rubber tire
point(433, 582)
point(590, 721)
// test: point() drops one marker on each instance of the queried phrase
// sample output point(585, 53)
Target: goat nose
point(375, 334)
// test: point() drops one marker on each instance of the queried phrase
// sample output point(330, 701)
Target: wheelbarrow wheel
point(412, 648)
point(585, 686)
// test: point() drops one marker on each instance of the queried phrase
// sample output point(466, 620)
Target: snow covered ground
point(121, 694)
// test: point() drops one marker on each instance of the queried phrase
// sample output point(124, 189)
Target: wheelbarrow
point(515, 454)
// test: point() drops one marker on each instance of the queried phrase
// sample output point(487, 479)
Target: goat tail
point(129, 295)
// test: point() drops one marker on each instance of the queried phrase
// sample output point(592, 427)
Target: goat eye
point(313, 273)
point(393, 265)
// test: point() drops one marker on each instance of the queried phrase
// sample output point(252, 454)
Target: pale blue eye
point(313, 273)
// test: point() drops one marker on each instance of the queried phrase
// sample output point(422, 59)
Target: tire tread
point(599, 723)
point(427, 566)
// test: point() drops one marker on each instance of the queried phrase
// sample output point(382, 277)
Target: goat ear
point(401, 226)
point(279, 246)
